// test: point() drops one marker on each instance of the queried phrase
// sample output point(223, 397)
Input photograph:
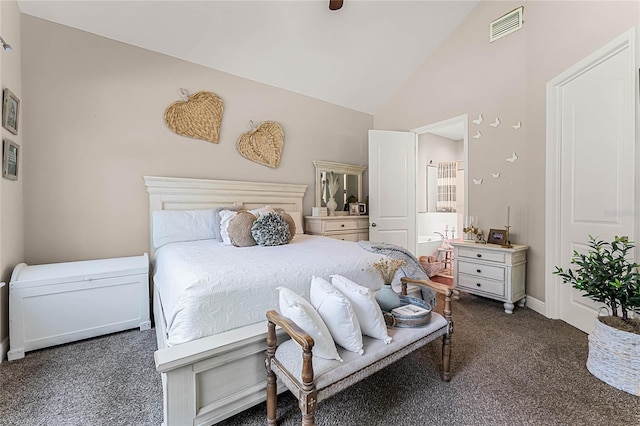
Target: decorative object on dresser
point(491, 271)
point(319, 211)
point(332, 182)
point(349, 228)
point(197, 116)
point(10, 159)
point(64, 302)
point(262, 144)
point(10, 111)
point(357, 209)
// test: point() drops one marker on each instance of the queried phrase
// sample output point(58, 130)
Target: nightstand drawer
point(340, 225)
point(482, 255)
point(481, 285)
point(481, 270)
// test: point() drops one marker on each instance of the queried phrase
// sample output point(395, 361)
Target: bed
point(210, 299)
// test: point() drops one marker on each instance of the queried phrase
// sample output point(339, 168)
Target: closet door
point(593, 134)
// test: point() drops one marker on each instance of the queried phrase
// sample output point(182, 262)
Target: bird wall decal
point(478, 135)
point(517, 126)
point(495, 123)
point(495, 175)
point(513, 158)
point(478, 120)
point(477, 181)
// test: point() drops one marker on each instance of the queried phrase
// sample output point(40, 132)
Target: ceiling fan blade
point(335, 4)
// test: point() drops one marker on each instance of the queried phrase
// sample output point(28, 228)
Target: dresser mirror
point(349, 184)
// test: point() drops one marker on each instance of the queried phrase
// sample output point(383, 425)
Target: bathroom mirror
point(349, 184)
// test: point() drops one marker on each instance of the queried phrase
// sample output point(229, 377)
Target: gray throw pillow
point(271, 230)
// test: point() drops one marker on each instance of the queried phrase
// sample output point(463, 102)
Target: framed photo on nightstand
point(497, 236)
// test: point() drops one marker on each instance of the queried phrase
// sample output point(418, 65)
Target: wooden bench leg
point(446, 340)
point(446, 358)
point(272, 384)
point(308, 394)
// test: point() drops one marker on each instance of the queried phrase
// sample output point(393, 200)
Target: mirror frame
point(342, 168)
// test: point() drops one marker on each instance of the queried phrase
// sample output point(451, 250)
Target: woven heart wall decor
point(197, 116)
point(262, 144)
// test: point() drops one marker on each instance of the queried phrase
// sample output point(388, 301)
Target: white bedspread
point(207, 288)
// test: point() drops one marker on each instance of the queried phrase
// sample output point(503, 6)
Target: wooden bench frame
point(306, 391)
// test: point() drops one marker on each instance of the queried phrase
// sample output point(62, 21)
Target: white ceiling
point(356, 57)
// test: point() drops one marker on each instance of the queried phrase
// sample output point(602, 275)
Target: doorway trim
point(554, 158)
point(462, 120)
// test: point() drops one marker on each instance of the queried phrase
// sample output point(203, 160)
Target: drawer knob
point(478, 271)
point(479, 285)
point(479, 255)
point(342, 225)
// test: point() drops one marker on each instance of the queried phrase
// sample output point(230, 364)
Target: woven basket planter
point(430, 268)
point(614, 357)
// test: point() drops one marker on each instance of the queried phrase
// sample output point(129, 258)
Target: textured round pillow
point(239, 229)
point(292, 224)
point(271, 230)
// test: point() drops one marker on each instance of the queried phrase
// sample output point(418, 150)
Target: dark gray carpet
point(520, 369)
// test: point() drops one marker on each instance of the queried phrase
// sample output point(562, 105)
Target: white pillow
point(172, 226)
point(225, 217)
point(338, 314)
point(367, 309)
point(298, 310)
point(262, 211)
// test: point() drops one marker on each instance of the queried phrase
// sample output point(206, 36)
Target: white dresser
point(491, 271)
point(348, 228)
point(63, 302)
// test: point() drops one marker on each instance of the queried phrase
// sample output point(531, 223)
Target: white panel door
point(392, 188)
point(597, 167)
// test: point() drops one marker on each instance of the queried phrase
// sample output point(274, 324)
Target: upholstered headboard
point(170, 193)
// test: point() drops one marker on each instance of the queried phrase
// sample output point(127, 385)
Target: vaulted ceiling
point(356, 57)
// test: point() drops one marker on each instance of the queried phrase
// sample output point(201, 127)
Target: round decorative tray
point(393, 319)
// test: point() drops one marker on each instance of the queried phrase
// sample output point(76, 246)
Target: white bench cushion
point(327, 372)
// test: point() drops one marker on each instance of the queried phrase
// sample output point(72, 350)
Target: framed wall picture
point(10, 158)
point(10, 111)
point(497, 236)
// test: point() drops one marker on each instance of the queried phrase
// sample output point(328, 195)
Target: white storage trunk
point(64, 302)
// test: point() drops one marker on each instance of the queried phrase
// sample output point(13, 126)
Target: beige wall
point(94, 109)
point(11, 201)
point(507, 78)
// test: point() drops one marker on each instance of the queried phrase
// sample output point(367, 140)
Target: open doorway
point(441, 187)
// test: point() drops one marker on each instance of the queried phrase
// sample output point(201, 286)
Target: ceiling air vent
point(506, 24)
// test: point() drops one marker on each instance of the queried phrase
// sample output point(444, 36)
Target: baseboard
point(4, 348)
point(536, 305)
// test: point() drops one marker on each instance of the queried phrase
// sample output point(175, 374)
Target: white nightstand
point(491, 271)
point(348, 228)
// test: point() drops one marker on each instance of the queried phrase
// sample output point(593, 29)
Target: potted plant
point(606, 274)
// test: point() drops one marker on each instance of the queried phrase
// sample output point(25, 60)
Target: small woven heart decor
point(262, 144)
point(197, 116)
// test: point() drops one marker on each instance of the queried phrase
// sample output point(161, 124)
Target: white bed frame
point(210, 379)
